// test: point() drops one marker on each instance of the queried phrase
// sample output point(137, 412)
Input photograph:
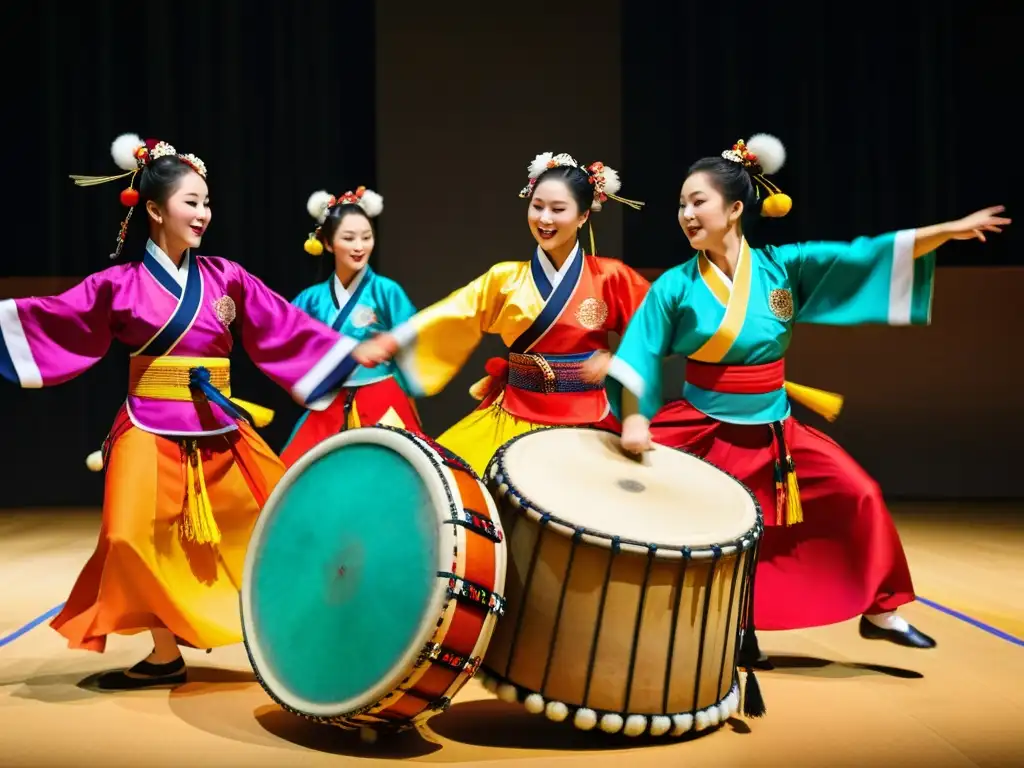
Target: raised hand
point(977, 224)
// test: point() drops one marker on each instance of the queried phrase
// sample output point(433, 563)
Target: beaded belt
point(549, 374)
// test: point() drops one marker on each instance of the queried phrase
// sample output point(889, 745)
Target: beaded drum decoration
point(373, 581)
point(628, 586)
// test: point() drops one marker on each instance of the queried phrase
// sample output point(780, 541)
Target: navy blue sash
point(189, 303)
point(554, 300)
point(353, 300)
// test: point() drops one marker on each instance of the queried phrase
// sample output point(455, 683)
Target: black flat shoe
point(912, 638)
point(171, 674)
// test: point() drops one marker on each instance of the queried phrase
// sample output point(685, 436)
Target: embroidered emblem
point(225, 309)
point(781, 302)
point(592, 313)
point(363, 316)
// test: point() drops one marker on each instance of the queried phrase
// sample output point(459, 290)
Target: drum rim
point(418, 454)
point(496, 478)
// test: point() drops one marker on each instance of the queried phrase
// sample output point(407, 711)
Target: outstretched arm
point(927, 239)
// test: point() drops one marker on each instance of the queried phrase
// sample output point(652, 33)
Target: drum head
point(340, 591)
point(668, 498)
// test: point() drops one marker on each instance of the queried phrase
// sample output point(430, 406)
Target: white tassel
point(94, 461)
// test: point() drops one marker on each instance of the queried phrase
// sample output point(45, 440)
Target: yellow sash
point(167, 378)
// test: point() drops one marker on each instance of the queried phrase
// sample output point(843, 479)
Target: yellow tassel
point(794, 510)
point(313, 246)
point(480, 389)
point(827, 404)
point(199, 525)
point(262, 416)
point(593, 245)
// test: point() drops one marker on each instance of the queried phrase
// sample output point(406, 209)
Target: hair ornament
point(321, 202)
point(131, 154)
point(607, 183)
point(763, 155)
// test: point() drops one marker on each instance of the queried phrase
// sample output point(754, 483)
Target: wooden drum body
point(628, 583)
point(373, 581)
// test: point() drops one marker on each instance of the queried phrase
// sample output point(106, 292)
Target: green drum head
point(340, 590)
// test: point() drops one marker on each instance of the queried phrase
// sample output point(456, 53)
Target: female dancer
point(358, 302)
point(553, 312)
point(830, 551)
point(186, 473)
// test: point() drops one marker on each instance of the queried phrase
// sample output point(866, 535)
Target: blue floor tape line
point(30, 626)
point(930, 603)
point(973, 622)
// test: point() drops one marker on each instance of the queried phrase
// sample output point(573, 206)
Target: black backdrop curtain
point(276, 98)
point(893, 115)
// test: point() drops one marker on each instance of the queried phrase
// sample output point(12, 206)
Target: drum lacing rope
point(651, 552)
point(616, 548)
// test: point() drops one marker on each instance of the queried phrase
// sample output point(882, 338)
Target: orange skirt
point(145, 574)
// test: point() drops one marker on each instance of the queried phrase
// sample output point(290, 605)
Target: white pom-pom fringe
point(612, 183)
point(556, 711)
point(539, 164)
point(317, 205)
point(507, 692)
point(611, 723)
point(372, 203)
point(534, 703)
point(771, 154)
point(635, 725)
point(681, 724)
point(94, 461)
point(660, 725)
point(585, 719)
point(123, 151)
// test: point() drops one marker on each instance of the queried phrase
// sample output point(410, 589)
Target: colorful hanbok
point(830, 551)
point(370, 305)
point(552, 322)
point(186, 473)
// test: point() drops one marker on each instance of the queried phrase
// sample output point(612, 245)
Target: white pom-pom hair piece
point(372, 203)
point(771, 154)
point(539, 164)
point(612, 183)
point(123, 151)
point(317, 205)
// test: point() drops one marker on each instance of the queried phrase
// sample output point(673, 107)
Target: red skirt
point(844, 560)
point(380, 402)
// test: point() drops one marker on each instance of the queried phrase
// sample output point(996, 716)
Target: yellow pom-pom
point(94, 461)
point(313, 247)
point(776, 206)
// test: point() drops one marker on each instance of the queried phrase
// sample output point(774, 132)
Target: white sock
point(889, 620)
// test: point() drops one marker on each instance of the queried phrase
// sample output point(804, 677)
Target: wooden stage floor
point(833, 699)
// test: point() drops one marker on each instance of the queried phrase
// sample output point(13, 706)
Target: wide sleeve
point(869, 280)
point(437, 342)
point(637, 363)
point(49, 340)
point(299, 353)
point(626, 289)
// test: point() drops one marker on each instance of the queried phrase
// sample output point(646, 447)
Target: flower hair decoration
point(605, 180)
point(131, 154)
point(320, 204)
point(763, 155)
